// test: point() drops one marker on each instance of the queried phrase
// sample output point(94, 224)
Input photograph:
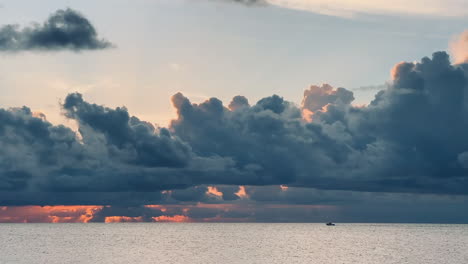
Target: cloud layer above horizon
point(269, 160)
point(63, 30)
point(409, 139)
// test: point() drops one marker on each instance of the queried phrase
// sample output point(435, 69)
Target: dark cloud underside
point(410, 139)
point(63, 30)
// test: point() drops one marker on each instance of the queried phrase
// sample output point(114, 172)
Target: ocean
point(233, 243)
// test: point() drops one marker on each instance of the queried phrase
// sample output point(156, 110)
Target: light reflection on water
point(233, 243)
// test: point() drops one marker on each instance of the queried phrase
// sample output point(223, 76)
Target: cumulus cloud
point(316, 97)
point(387, 146)
point(262, 204)
point(409, 139)
point(113, 152)
point(238, 102)
point(459, 48)
point(63, 30)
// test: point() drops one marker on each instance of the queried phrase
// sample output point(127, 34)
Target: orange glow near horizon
point(172, 219)
point(48, 214)
point(170, 213)
point(123, 219)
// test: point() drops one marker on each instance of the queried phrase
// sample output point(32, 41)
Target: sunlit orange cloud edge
point(85, 214)
point(48, 214)
point(169, 213)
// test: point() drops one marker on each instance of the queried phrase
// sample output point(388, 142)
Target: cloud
point(113, 152)
point(409, 139)
point(264, 204)
point(238, 102)
point(387, 146)
point(459, 48)
point(63, 30)
point(317, 97)
point(346, 8)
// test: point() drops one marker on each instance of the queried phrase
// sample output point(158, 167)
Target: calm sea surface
point(233, 243)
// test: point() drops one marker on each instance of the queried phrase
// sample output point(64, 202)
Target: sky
point(233, 111)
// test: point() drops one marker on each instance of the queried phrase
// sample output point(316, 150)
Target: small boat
point(330, 224)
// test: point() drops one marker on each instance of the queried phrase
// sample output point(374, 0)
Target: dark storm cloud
point(115, 158)
point(229, 192)
point(43, 198)
point(193, 194)
point(411, 139)
point(298, 195)
point(139, 140)
point(63, 30)
point(146, 214)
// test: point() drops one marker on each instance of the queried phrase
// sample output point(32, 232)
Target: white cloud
point(350, 8)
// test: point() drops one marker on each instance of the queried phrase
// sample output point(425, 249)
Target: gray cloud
point(388, 146)
point(410, 139)
point(63, 30)
point(146, 214)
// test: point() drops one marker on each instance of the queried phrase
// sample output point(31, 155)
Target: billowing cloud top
point(409, 139)
point(459, 48)
point(64, 30)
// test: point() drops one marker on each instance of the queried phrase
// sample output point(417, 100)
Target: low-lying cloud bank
point(255, 204)
point(63, 30)
point(410, 139)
